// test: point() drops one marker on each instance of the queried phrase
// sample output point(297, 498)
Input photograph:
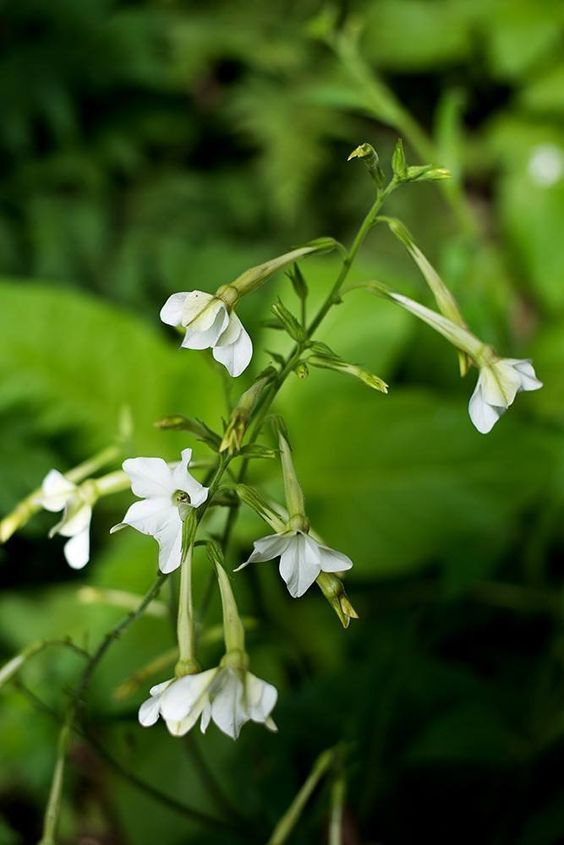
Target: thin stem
point(265, 401)
point(185, 627)
point(53, 808)
point(337, 805)
point(161, 797)
point(290, 818)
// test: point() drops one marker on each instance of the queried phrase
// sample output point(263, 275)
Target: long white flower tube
point(500, 379)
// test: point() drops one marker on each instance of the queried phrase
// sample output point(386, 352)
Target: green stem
point(185, 628)
point(52, 811)
point(163, 798)
point(290, 818)
point(337, 805)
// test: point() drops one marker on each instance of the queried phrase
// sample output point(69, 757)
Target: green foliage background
point(149, 147)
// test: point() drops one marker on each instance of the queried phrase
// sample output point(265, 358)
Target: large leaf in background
point(400, 480)
point(77, 362)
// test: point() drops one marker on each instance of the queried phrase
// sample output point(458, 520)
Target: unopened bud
point(261, 507)
point(338, 365)
point(301, 370)
point(334, 591)
point(241, 415)
point(369, 157)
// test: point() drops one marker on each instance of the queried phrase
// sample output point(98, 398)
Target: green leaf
point(77, 362)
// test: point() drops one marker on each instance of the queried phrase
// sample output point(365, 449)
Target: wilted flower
point(499, 382)
point(210, 323)
point(167, 496)
point(228, 696)
point(57, 494)
point(301, 558)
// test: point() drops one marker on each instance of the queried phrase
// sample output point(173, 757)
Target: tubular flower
point(210, 323)
point(301, 558)
point(167, 494)
point(498, 384)
point(228, 696)
point(500, 379)
point(57, 494)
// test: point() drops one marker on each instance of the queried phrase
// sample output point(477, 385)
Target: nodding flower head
point(210, 323)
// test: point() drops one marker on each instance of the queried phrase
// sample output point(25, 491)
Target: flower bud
point(334, 591)
point(196, 427)
point(328, 363)
point(369, 157)
point(261, 507)
point(239, 420)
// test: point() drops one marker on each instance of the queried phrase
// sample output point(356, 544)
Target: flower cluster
point(228, 696)
point(171, 503)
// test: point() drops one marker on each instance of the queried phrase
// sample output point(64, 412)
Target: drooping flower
point(499, 382)
point(301, 558)
point(228, 696)
point(57, 494)
point(167, 494)
point(210, 323)
point(500, 379)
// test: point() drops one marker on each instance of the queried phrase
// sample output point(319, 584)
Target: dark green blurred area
point(151, 147)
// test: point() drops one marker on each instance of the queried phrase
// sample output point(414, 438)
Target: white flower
point(498, 384)
point(166, 495)
point(500, 379)
point(301, 559)
point(57, 494)
point(209, 324)
point(228, 696)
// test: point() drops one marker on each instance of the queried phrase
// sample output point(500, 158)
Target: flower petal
point(267, 548)
point(171, 312)
point(332, 561)
point(524, 367)
point(200, 310)
point(198, 337)
point(300, 564)
point(77, 549)
point(500, 384)
point(232, 331)
point(76, 519)
point(483, 415)
point(149, 477)
point(150, 709)
point(149, 515)
point(55, 491)
point(261, 698)
point(185, 694)
point(169, 539)
point(183, 480)
point(235, 357)
point(159, 518)
point(227, 706)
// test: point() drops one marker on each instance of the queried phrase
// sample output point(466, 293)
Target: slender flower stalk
point(187, 663)
point(289, 820)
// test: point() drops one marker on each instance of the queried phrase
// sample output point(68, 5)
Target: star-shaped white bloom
point(228, 696)
point(166, 495)
point(498, 384)
point(57, 494)
point(209, 324)
point(301, 559)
